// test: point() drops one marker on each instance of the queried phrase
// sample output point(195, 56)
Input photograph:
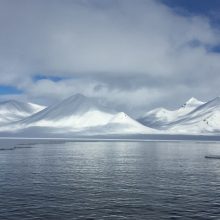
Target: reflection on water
point(108, 180)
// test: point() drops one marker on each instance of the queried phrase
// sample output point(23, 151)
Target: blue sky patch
point(215, 49)
point(8, 90)
point(52, 78)
point(203, 7)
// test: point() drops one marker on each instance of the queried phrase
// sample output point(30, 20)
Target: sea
point(76, 179)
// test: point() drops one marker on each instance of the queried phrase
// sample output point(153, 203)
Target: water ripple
point(110, 181)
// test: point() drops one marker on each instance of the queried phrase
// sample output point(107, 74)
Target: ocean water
point(109, 180)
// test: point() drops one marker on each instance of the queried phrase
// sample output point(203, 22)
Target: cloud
point(134, 52)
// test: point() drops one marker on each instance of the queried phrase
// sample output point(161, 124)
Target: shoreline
point(125, 138)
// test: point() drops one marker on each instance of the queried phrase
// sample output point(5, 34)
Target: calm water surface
point(109, 180)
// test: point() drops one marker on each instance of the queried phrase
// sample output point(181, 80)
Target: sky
point(134, 55)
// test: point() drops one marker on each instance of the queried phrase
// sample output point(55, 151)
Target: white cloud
point(95, 42)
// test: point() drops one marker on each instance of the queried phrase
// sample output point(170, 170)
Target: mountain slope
point(122, 122)
point(76, 111)
point(81, 114)
point(159, 118)
point(204, 119)
point(12, 110)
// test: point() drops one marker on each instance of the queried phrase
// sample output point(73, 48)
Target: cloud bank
point(130, 53)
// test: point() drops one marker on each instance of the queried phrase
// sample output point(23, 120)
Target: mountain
point(11, 111)
point(159, 118)
point(79, 113)
point(122, 122)
point(203, 119)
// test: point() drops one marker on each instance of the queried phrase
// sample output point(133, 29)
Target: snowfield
point(82, 115)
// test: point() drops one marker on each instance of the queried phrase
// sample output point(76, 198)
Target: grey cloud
point(131, 52)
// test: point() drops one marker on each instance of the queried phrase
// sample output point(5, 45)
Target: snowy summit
point(81, 115)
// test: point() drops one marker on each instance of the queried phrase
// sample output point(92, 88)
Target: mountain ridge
point(160, 117)
point(79, 114)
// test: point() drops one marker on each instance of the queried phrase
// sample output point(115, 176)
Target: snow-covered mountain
point(159, 118)
point(122, 122)
point(79, 113)
point(194, 117)
point(203, 119)
point(11, 111)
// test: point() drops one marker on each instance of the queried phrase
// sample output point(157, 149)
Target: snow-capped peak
point(204, 118)
point(119, 117)
point(74, 105)
point(19, 107)
point(75, 111)
point(12, 110)
point(122, 122)
point(193, 102)
point(161, 117)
